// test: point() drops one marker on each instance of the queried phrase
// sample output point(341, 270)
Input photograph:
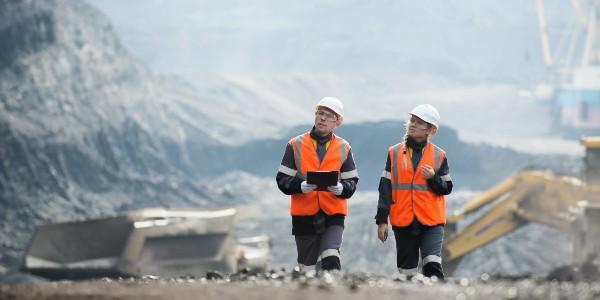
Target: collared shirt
point(321, 143)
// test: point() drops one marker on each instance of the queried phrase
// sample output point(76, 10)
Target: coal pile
point(584, 272)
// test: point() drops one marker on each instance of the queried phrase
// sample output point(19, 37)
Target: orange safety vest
point(410, 194)
point(306, 159)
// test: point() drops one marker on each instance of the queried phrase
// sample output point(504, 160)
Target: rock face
point(85, 129)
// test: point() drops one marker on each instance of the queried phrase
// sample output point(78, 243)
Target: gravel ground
point(296, 285)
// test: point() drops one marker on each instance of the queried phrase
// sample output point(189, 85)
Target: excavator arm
point(496, 222)
point(522, 198)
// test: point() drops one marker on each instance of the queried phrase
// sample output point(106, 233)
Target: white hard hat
point(334, 104)
point(427, 113)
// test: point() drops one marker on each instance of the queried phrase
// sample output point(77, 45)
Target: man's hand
point(427, 172)
point(382, 232)
point(336, 189)
point(307, 188)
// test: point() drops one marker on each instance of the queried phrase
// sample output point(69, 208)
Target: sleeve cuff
point(436, 178)
point(382, 216)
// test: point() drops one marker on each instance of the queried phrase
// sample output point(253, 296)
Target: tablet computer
point(322, 179)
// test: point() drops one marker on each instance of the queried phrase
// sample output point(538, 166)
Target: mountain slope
point(472, 166)
point(85, 129)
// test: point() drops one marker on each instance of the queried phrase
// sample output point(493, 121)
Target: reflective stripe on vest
point(410, 194)
point(297, 155)
point(306, 159)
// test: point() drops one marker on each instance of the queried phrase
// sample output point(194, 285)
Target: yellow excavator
point(565, 203)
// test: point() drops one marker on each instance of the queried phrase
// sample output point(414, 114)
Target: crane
point(573, 85)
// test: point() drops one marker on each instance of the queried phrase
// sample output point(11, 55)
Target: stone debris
point(253, 284)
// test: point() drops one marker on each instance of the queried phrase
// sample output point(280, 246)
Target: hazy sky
point(463, 39)
point(470, 58)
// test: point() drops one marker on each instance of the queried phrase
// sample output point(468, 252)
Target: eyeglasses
point(418, 123)
point(325, 115)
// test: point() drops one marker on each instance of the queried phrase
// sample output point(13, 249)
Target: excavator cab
point(592, 159)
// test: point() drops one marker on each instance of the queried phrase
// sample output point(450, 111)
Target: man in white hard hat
point(318, 214)
point(411, 194)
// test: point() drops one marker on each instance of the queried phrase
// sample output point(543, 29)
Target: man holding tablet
point(319, 173)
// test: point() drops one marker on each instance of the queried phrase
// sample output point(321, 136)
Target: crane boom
point(543, 32)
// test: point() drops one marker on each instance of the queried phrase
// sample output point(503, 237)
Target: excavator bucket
point(78, 249)
point(160, 242)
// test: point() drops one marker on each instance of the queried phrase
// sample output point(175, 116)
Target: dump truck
point(157, 241)
point(567, 203)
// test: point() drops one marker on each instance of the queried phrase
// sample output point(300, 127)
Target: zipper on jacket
point(412, 186)
point(316, 145)
point(412, 189)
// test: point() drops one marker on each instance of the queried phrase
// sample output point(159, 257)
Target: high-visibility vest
point(410, 194)
point(306, 159)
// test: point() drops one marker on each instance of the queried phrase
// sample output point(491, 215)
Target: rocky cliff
point(85, 128)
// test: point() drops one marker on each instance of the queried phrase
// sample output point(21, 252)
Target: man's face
point(418, 129)
point(325, 121)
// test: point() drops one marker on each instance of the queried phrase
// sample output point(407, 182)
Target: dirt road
point(278, 286)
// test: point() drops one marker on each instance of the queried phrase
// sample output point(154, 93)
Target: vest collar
point(320, 139)
point(417, 146)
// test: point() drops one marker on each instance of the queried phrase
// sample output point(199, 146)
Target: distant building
point(579, 101)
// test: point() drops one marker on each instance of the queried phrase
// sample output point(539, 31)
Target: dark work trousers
point(427, 240)
point(320, 251)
